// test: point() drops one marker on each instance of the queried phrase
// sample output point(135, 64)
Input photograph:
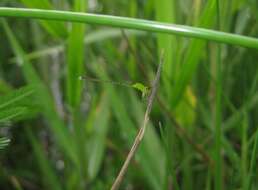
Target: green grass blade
point(99, 133)
point(235, 118)
point(131, 64)
point(165, 12)
point(218, 178)
point(43, 97)
point(16, 96)
point(193, 54)
point(12, 113)
point(253, 163)
point(56, 29)
point(244, 151)
point(48, 174)
point(75, 60)
point(4, 87)
point(91, 38)
point(75, 53)
point(131, 23)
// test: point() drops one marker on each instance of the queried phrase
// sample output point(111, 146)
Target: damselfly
point(138, 86)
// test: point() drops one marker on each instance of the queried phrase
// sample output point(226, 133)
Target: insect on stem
point(138, 86)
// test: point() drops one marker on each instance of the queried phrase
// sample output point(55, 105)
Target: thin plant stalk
point(131, 23)
point(139, 137)
point(218, 110)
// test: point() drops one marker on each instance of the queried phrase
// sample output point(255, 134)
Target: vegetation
point(61, 130)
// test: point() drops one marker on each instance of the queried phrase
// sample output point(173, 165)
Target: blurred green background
point(70, 134)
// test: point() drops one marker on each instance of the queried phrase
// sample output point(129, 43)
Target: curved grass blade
point(131, 23)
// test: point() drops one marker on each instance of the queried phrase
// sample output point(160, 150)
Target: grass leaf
point(43, 97)
point(75, 59)
point(16, 96)
point(56, 29)
point(12, 113)
point(49, 175)
point(97, 142)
